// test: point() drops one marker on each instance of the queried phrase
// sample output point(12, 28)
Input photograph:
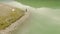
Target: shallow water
point(41, 21)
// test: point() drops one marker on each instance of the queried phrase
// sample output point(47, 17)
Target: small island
point(9, 15)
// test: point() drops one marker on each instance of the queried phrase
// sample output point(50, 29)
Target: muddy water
point(41, 21)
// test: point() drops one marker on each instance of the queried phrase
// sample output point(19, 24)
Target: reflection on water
point(42, 21)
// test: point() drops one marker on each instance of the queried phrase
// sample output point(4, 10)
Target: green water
point(41, 3)
point(44, 23)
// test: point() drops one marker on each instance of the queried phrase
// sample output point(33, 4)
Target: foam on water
point(42, 21)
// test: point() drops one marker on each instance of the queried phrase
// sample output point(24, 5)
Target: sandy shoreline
point(13, 26)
